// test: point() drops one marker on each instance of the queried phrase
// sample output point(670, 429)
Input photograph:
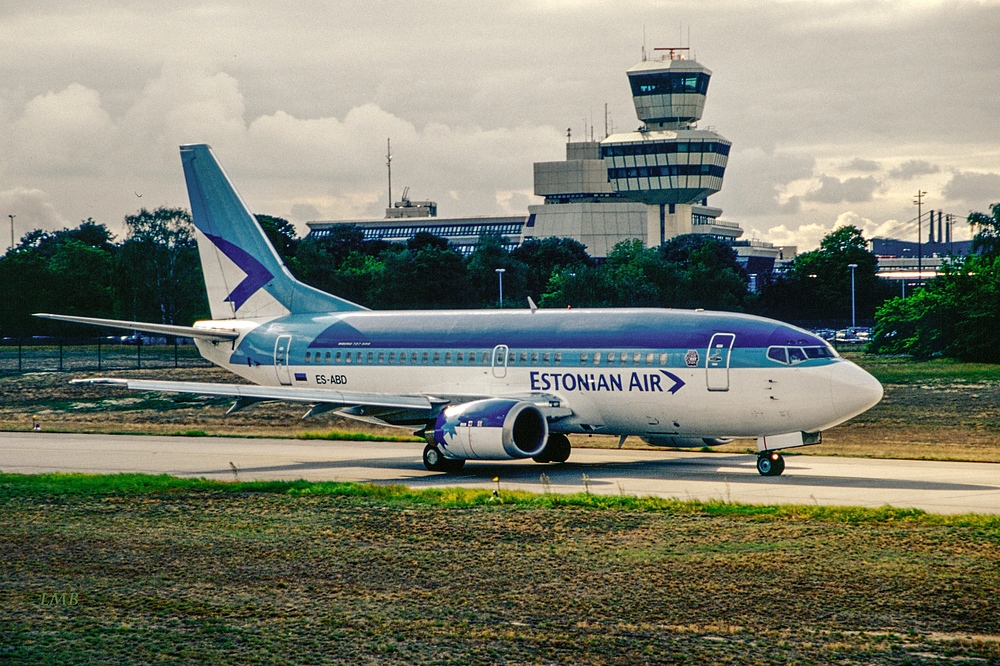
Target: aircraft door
point(720, 348)
point(281, 346)
point(500, 361)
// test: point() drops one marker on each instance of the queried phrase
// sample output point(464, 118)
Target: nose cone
point(853, 390)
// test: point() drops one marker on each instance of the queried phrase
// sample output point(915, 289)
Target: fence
point(45, 354)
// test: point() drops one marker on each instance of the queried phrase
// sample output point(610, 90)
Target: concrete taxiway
point(939, 487)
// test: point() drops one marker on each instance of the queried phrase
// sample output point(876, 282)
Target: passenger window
point(583, 358)
point(558, 358)
point(597, 358)
point(424, 357)
point(414, 356)
point(347, 357)
point(795, 355)
point(437, 357)
point(663, 359)
point(486, 358)
point(357, 357)
point(308, 356)
point(381, 357)
point(371, 357)
point(534, 358)
point(637, 358)
point(524, 357)
point(777, 354)
point(336, 359)
point(326, 357)
point(624, 358)
point(459, 357)
point(611, 358)
point(545, 358)
point(649, 358)
point(392, 358)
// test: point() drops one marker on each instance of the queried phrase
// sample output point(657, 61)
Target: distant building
point(652, 184)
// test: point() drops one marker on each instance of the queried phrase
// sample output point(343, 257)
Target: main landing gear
point(770, 463)
point(435, 461)
point(557, 450)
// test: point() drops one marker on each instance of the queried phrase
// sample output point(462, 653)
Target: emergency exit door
point(720, 349)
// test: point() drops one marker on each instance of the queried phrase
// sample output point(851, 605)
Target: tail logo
point(257, 274)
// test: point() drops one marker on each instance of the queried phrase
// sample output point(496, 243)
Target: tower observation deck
point(652, 183)
point(667, 161)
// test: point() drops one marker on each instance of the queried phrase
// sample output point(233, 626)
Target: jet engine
point(491, 429)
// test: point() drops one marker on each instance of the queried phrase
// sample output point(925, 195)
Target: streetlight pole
point(852, 267)
point(500, 272)
point(12, 231)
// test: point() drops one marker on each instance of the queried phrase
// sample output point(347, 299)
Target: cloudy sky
point(839, 111)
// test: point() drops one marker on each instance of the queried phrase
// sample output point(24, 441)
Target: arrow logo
point(257, 274)
point(678, 382)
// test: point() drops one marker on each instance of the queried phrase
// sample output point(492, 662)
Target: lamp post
point(12, 231)
point(500, 272)
point(852, 267)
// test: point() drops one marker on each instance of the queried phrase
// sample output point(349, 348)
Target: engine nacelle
point(491, 429)
point(678, 442)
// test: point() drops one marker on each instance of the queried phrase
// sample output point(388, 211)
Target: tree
point(158, 273)
point(545, 257)
point(482, 266)
point(986, 241)
point(66, 271)
point(956, 313)
point(282, 235)
point(817, 287)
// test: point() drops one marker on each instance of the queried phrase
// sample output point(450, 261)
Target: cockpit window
point(793, 355)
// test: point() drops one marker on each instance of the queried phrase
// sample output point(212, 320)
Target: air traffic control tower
point(650, 184)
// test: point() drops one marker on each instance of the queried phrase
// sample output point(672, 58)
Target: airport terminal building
point(652, 184)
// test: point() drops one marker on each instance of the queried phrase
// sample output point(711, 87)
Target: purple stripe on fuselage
point(581, 329)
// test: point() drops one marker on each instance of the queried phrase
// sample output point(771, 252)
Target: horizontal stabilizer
point(214, 334)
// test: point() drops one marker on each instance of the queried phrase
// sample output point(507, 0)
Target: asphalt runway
point(938, 487)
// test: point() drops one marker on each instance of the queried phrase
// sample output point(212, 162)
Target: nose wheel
point(770, 463)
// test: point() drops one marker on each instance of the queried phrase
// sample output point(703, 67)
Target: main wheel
point(770, 464)
point(556, 450)
point(560, 448)
point(433, 460)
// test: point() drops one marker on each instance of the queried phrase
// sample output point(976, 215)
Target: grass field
point(931, 410)
point(161, 570)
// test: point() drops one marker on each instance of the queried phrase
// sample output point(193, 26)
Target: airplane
point(496, 384)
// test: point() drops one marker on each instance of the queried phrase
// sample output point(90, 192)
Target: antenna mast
point(388, 165)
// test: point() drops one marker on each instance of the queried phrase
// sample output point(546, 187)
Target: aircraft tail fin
point(244, 276)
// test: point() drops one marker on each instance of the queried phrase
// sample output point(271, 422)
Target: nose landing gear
point(770, 463)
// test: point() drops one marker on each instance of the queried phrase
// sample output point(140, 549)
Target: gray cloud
point(756, 180)
point(912, 168)
point(850, 190)
point(298, 99)
point(976, 189)
point(864, 166)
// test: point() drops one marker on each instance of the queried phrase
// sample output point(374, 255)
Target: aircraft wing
point(366, 406)
point(246, 394)
point(213, 334)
